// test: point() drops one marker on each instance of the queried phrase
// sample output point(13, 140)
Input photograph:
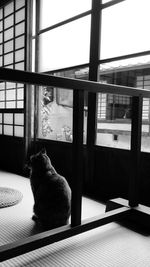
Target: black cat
point(51, 191)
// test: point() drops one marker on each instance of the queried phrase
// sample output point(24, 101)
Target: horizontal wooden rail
point(68, 83)
point(31, 243)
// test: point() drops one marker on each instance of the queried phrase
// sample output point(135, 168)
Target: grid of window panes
point(101, 106)
point(113, 111)
point(12, 124)
point(11, 95)
point(143, 81)
point(12, 55)
point(12, 35)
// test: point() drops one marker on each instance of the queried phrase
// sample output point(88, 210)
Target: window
point(58, 49)
point(56, 109)
point(123, 32)
point(12, 55)
point(115, 111)
point(12, 124)
point(58, 10)
point(123, 54)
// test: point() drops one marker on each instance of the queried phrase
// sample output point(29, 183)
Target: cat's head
point(40, 161)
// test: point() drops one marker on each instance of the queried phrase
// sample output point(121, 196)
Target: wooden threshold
point(25, 245)
point(139, 215)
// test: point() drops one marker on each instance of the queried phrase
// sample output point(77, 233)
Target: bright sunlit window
point(65, 46)
point(53, 12)
point(125, 28)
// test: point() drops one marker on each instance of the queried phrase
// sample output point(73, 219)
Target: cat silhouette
point(51, 192)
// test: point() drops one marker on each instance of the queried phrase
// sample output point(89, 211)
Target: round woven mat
point(9, 197)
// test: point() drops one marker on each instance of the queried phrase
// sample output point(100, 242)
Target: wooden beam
point(65, 22)
point(78, 113)
point(25, 245)
point(28, 90)
point(111, 3)
point(133, 55)
point(68, 83)
point(92, 96)
point(136, 128)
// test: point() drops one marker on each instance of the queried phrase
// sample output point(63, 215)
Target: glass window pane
point(8, 130)
point(0, 129)
point(114, 111)
point(19, 3)
point(19, 55)
point(8, 9)
point(19, 131)
point(10, 85)
point(53, 12)
point(10, 94)
point(55, 120)
point(113, 121)
point(145, 142)
point(2, 95)
point(1, 37)
point(122, 30)
point(8, 34)
point(2, 104)
point(20, 15)
point(8, 46)
point(60, 49)
point(1, 13)
point(1, 49)
point(19, 29)
point(20, 93)
point(77, 73)
point(1, 25)
point(19, 66)
point(2, 85)
point(19, 119)
point(20, 85)
point(20, 104)
point(1, 61)
point(0, 117)
point(19, 42)
point(8, 59)
point(8, 118)
point(10, 104)
point(8, 22)
point(128, 72)
point(9, 67)
point(120, 65)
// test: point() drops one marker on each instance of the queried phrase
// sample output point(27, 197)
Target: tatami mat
point(111, 245)
point(108, 246)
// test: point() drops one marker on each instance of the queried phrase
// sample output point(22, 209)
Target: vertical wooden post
point(136, 128)
point(93, 76)
point(78, 109)
point(36, 88)
point(28, 87)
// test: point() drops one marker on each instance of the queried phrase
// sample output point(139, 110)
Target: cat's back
point(57, 184)
point(53, 189)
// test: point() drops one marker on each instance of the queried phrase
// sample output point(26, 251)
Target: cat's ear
point(43, 150)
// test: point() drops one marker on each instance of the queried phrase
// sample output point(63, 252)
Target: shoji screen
point(12, 55)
